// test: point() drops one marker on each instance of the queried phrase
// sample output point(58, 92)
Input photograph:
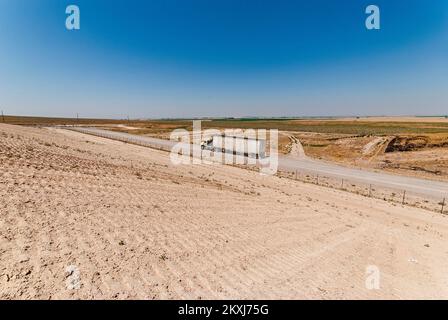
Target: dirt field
point(127, 224)
point(420, 155)
point(416, 147)
point(409, 146)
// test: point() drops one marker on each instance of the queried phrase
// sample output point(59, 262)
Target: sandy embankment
point(134, 226)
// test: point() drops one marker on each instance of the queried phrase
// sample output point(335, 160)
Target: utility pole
point(3, 117)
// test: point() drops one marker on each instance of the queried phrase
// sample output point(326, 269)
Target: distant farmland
point(387, 126)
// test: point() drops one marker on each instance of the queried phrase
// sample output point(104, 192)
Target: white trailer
point(240, 145)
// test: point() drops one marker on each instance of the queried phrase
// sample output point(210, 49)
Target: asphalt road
point(423, 187)
point(434, 189)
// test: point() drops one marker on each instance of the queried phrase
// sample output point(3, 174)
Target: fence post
point(370, 191)
point(443, 204)
point(342, 183)
point(296, 174)
point(317, 179)
point(404, 196)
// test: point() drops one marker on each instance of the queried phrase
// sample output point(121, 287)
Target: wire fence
point(120, 136)
point(370, 190)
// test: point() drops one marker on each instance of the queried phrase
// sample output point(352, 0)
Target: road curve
point(423, 187)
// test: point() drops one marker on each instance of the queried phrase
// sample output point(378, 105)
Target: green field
point(335, 126)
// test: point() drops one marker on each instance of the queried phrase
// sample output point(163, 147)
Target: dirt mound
point(407, 144)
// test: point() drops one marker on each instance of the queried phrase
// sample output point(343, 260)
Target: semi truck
point(238, 145)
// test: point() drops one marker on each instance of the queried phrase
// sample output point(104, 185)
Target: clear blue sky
point(190, 58)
